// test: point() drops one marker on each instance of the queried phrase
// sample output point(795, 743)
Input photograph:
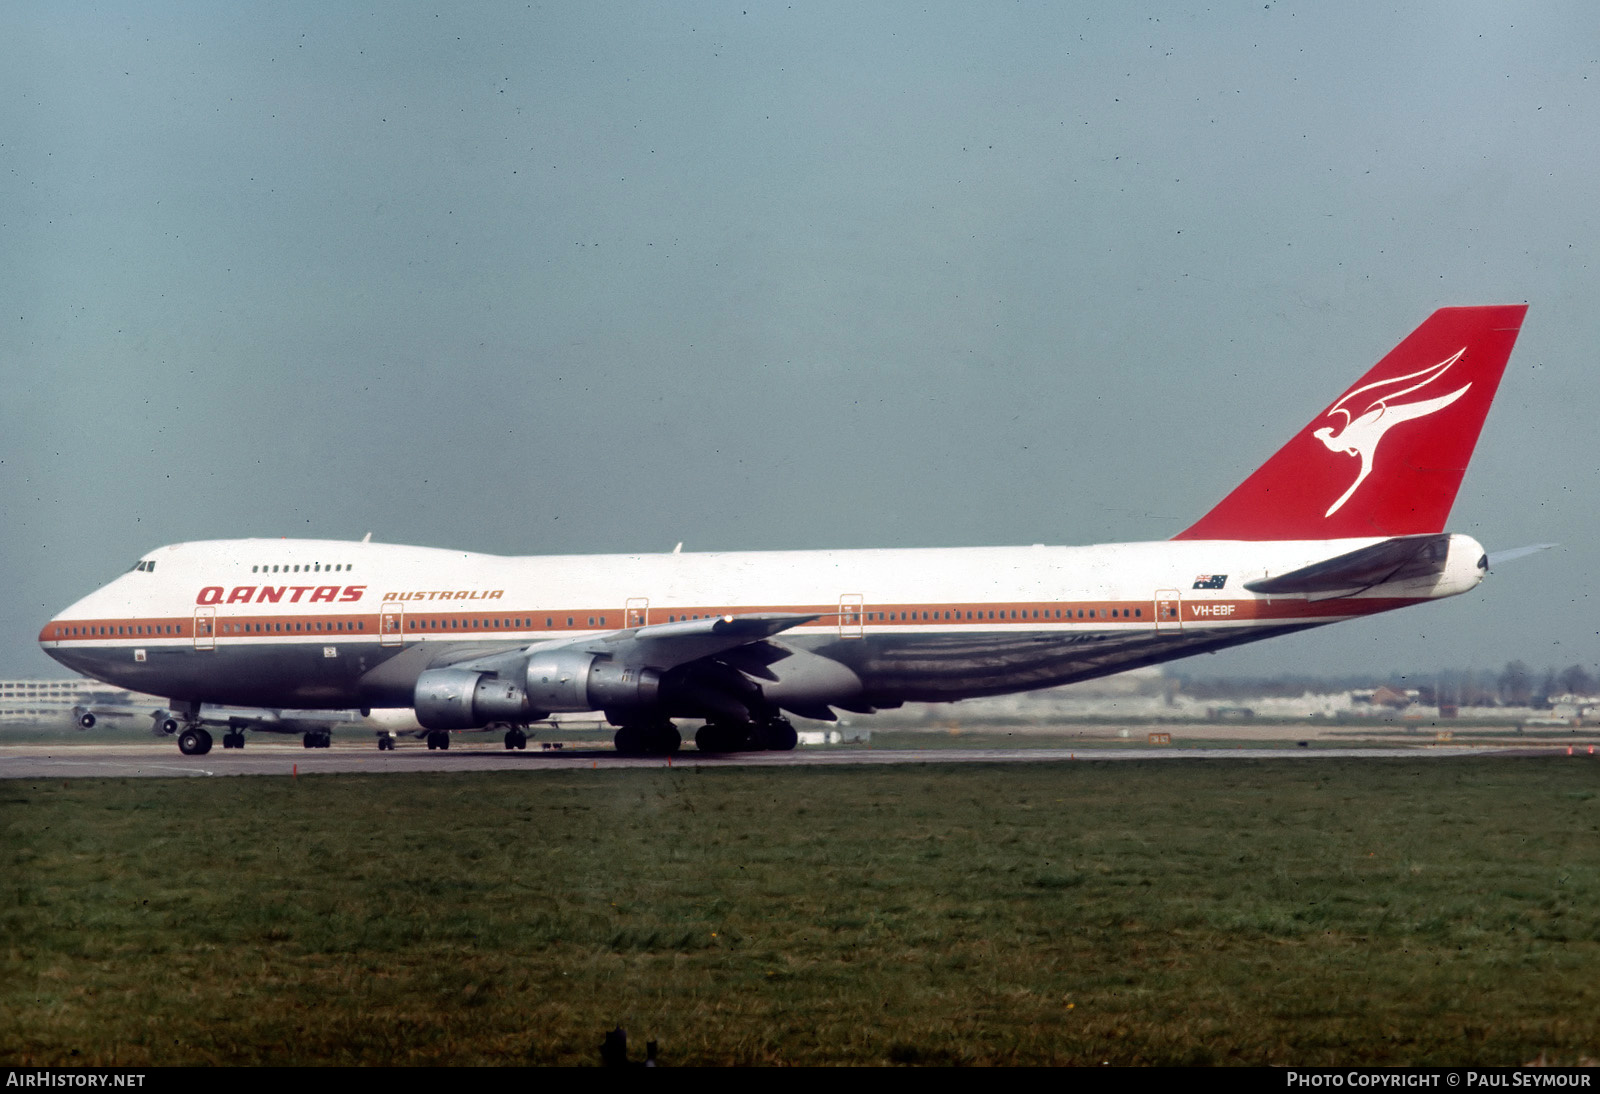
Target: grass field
point(1322, 912)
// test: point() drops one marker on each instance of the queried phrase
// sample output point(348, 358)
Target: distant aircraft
point(314, 726)
point(1346, 520)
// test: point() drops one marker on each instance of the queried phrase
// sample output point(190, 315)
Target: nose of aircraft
point(69, 637)
point(52, 632)
point(50, 636)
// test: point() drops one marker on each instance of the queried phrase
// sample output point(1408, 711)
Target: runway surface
point(36, 761)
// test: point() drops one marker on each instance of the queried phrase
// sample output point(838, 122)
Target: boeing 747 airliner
point(1346, 520)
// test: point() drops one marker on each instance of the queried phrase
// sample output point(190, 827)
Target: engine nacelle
point(565, 681)
point(463, 699)
point(570, 681)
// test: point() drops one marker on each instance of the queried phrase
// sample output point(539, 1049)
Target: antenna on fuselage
point(367, 538)
point(678, 550)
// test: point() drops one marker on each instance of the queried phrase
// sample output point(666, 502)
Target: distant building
point(1386, 696)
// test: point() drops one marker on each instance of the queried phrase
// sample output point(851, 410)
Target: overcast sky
point(604, 277)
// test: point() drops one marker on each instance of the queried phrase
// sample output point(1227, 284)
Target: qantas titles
point(274, 594)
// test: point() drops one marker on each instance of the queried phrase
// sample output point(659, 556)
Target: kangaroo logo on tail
point(1360, 434)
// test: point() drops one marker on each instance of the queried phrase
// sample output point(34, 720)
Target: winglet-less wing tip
point(1515, 553)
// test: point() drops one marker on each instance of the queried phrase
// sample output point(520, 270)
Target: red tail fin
point(1387, 457)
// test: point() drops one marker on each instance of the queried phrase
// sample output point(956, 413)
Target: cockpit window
point(145, 565)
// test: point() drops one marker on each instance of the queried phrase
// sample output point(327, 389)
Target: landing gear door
point(636, 613)
point(392, 623)
point(1169, 611)
point(852, 616)
point(205, 628)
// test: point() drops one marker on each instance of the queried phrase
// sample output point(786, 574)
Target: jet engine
point(463, 699)
point(565, 681)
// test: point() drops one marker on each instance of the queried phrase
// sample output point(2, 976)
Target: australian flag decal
point(1210, 581)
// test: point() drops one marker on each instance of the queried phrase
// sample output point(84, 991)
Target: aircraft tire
point(194, 742)
point(778, 735)
point(722, 737)
point(666, 740)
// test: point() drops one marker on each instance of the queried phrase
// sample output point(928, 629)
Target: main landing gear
point(648, 739)
point(317, 738)
point(234, 738)
point(438, 738)
point(774, 734)
point(516, 738)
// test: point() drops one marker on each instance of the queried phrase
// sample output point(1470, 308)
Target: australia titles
point(448, 594)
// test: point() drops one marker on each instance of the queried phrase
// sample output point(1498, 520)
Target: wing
point(86, 716)
point(660, 646)
point(163, 721)
point(645, 673)
point(278, 721)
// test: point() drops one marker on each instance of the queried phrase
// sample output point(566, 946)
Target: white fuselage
point(316, 623)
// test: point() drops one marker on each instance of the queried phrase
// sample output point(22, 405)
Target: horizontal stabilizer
point(1398, 559)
